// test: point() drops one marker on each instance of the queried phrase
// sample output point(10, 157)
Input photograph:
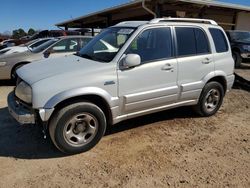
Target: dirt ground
point(173, 148)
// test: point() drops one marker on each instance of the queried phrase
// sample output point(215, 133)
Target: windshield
point(240, 36)
point(107, 44)
point(44, 46)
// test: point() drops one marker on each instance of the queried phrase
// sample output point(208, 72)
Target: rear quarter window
point(219, 39)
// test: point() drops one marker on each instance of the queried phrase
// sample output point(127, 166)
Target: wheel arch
point(95, 99)
point(94, 95)
point(220, 79)
point(16, 65)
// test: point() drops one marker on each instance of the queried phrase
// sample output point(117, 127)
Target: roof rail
point(194, 20)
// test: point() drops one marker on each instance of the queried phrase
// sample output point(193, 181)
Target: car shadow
point(244, 66)
point(241, 83)
point(27, 142)
point(7, 83)
point(23, 142)
point(176, 113)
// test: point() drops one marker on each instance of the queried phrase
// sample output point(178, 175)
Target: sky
point(44, 14)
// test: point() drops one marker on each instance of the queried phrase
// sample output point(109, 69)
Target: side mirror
point(46, 53)
point(131, 60)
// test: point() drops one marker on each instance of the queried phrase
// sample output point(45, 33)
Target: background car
point(56, 47)
point(24, 47)
point(240, 44)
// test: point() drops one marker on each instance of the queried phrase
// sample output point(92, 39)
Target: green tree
point(18, 33)
point(31, 32)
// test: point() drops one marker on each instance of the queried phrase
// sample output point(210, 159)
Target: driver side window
point(152, 44)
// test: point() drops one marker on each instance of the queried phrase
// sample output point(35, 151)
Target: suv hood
point(43, 69)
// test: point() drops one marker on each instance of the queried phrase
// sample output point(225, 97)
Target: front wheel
point(210, 100)
point(77, 128)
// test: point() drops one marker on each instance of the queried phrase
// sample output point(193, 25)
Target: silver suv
point(145, 67)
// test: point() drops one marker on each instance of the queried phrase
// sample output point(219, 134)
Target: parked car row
point(128, 70)
point(38, 50)
point(38, 35)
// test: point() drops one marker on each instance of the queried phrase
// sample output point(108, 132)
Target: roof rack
point(194, 20)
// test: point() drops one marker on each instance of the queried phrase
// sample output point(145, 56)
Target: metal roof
point(139, 2)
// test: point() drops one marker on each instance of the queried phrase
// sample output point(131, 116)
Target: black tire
point(208, 103)
point(65, 139)
point(237, 59)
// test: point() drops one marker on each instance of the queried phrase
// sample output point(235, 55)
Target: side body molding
point(112, 101)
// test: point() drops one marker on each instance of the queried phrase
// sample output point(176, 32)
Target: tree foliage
point(18, 33)
point(31, 32)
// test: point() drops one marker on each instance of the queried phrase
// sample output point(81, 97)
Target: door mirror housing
point(131, 60)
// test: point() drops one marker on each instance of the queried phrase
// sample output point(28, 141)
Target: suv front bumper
point(22, 114)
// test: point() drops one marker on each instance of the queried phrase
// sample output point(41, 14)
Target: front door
point(153, 83)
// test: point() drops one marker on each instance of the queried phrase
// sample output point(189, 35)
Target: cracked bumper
point(19, 112)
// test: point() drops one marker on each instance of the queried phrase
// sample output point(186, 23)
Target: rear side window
point(219, 40)
point(191, 41)
point(202, 45)
point(185, 41)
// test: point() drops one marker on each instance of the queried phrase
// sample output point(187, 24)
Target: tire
point(77, 128)
point(210, 100)
point(237, 59)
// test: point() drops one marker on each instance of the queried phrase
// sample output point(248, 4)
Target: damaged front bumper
point(18, 111)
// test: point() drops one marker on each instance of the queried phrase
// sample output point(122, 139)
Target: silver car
point(55, 47)
point(152, 66)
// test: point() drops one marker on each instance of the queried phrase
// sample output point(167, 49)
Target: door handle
point(167, 67)
point(207, 61)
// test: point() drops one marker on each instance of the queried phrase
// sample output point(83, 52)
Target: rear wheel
point(211, 99)
point(77, 127)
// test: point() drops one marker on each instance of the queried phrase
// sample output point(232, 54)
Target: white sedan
point(23, 47)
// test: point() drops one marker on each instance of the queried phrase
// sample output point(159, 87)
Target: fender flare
point(60, 97)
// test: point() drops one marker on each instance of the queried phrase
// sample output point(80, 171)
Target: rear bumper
point(19, 112)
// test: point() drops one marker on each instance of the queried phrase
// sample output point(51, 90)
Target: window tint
point(202, 45)
point(152, 44)
point(191, 41)
point(66, 45)
point(219, 40)
point(185, 41)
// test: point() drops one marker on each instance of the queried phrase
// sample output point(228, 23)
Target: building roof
point(98, 18)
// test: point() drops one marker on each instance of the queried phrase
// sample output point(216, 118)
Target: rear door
point(195, 60)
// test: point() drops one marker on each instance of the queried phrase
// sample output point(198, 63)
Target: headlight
point(24, 92)
point(246, 47)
